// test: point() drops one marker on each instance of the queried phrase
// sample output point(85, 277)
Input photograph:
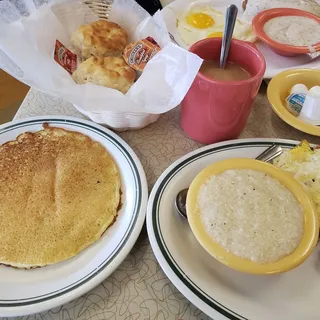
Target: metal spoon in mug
point(230, 21)
point(266, 156)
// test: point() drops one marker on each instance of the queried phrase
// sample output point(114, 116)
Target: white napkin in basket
point(29, 43)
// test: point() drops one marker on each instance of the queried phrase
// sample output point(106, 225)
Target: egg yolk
point(200, 20)
point(215, 35)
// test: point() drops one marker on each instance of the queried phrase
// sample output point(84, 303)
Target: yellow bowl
point(279, 89)
point(311, 224)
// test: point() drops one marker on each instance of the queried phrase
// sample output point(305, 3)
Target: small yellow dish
point(311, 224)
point(279, 89)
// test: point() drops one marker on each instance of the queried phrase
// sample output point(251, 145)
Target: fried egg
point(304, 163)
point(200, 22)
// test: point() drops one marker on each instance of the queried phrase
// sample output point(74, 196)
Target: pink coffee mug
point(214, 110)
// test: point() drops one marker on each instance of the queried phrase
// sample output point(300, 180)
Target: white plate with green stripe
point(217, 290)
point(24, 292)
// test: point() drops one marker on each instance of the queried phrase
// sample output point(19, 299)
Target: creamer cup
point(295, 103)
point(310, 111)
point(299, 88)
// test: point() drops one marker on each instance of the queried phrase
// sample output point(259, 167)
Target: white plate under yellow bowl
point(311, 225)
point(219, 291)
point(279, 89)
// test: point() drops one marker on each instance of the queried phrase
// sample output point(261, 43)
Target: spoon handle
point(270, 153)
point(231, 16)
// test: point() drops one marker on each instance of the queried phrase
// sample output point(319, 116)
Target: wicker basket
point(119, 121)
point(100, 8)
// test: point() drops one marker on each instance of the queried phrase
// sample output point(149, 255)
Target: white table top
point(139, 289)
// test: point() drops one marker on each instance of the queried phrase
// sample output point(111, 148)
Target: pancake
point(59, 192)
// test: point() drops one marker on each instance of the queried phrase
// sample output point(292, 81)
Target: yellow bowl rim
point(311, 222)
point(281, 110)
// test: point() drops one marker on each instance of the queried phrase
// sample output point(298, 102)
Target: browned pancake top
point(59, 191)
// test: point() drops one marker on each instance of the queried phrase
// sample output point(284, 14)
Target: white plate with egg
point(176, 16)
point(217, 290)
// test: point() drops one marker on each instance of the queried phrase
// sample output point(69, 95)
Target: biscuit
point(111, 72)
point(100, 39)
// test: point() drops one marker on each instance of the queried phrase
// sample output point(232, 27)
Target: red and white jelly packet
point(66, 58)
point(137, 54)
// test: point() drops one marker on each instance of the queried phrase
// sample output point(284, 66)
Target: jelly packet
point(137, 54)
point(66, 58)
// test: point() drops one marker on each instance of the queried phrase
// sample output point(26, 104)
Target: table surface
point(139, 289)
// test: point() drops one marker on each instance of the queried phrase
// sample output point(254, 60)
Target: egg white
point(190, 34)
